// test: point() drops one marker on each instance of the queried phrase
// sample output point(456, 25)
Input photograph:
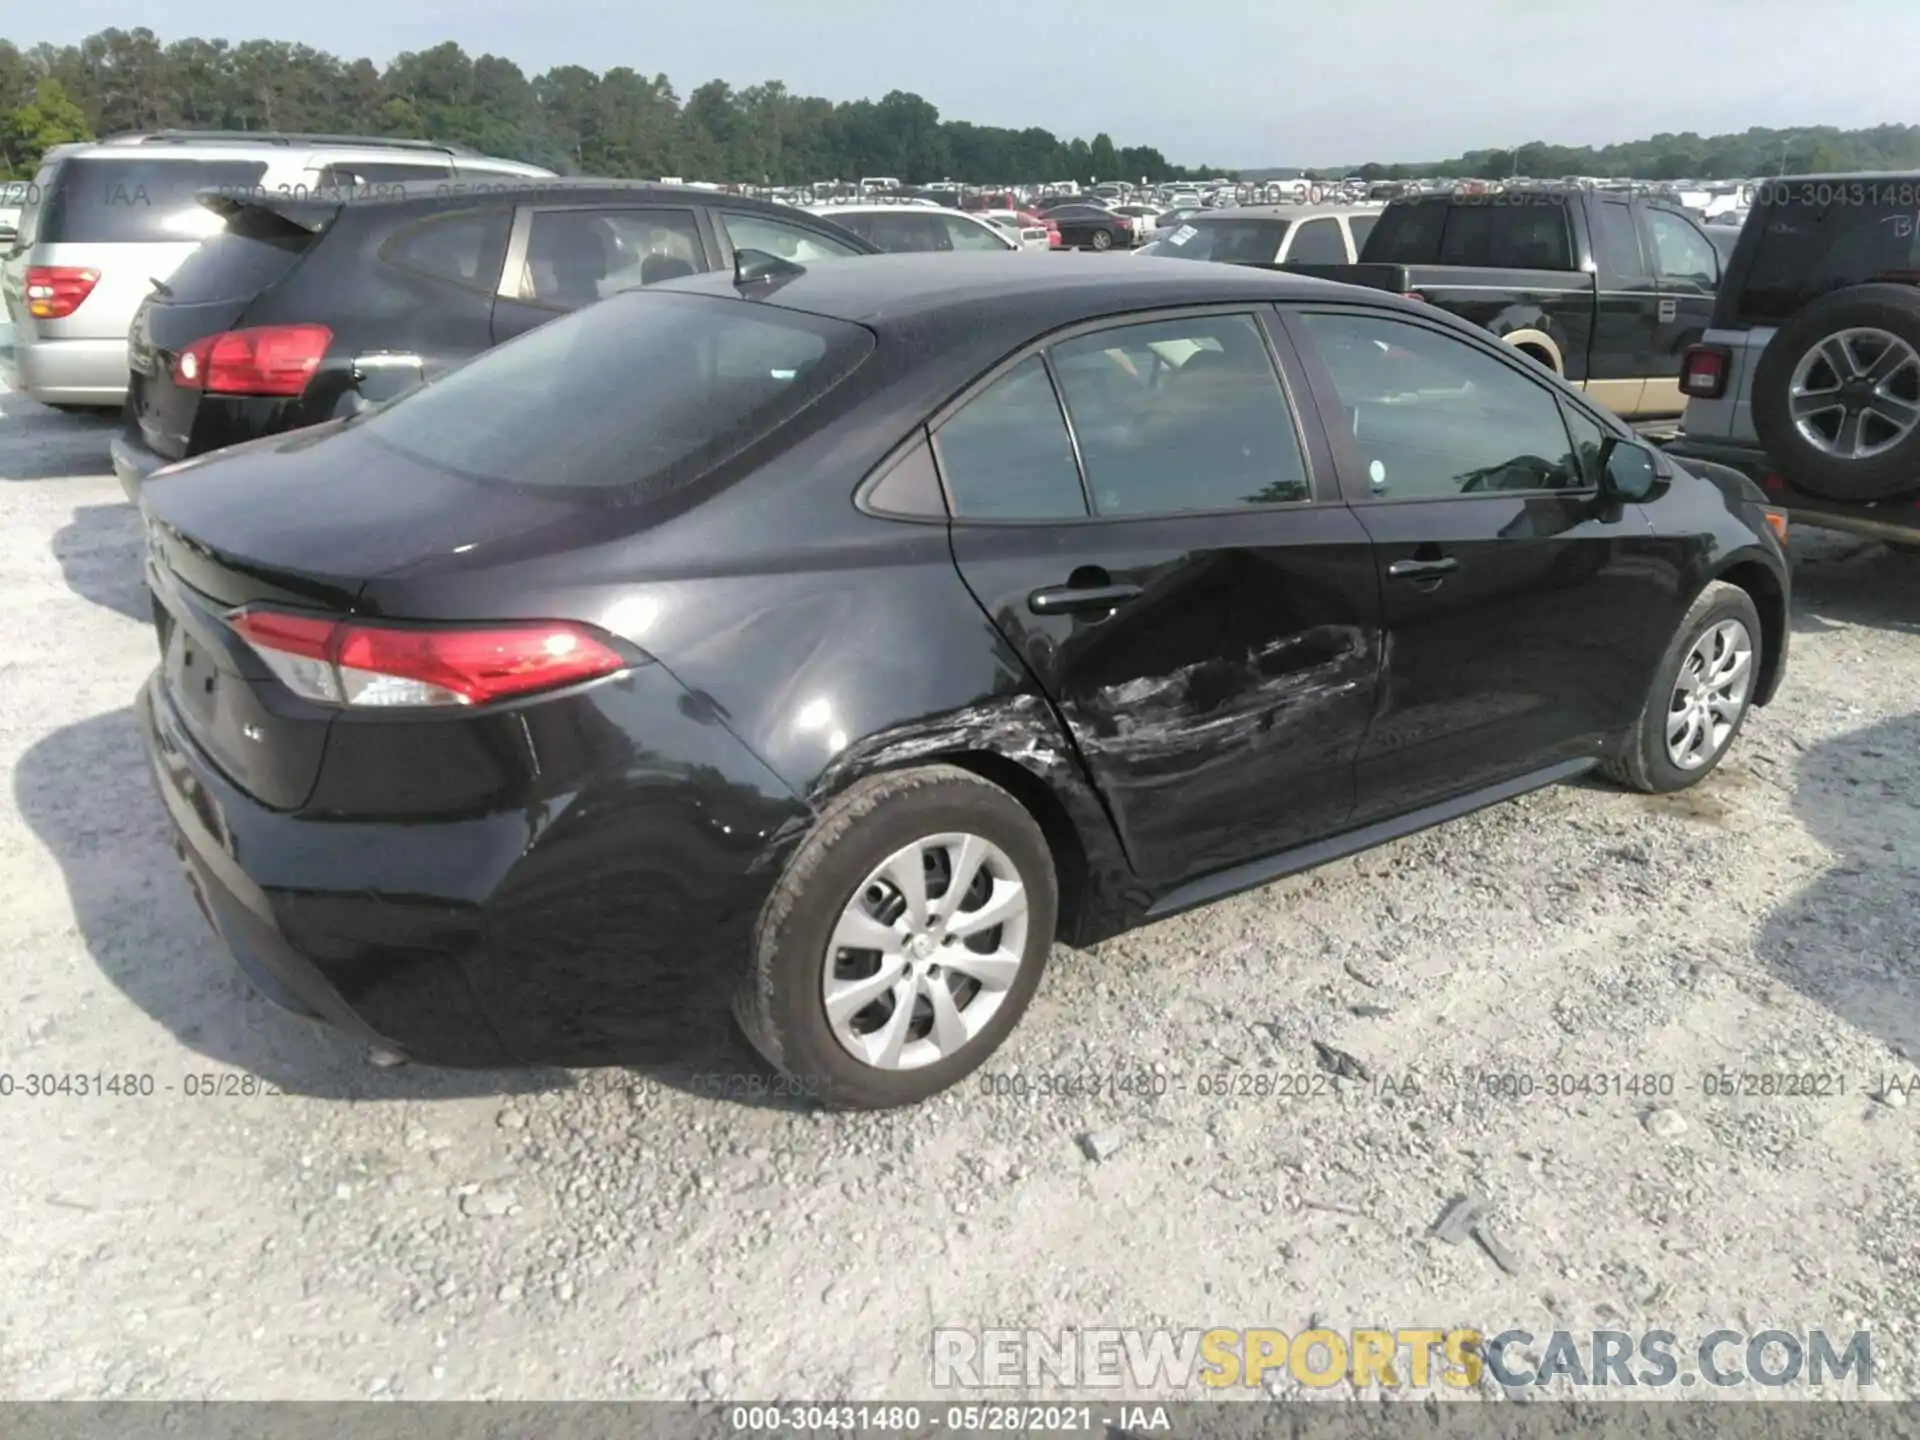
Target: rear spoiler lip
point(311, 212)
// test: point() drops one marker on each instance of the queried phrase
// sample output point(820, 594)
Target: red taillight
point(266, 360)
point(342, 662)
point(1703, 373)
point(1772, 482)
point(56, 291)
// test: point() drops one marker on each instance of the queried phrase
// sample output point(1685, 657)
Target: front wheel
point(1103, 240)
point(1700, 695)
point(904, 941)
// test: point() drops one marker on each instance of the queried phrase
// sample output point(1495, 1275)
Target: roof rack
point(279, 137)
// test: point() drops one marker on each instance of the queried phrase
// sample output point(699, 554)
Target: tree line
point(1751, 154)
point(618, 123)
point(625, 123)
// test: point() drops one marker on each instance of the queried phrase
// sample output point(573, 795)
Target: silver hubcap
point(925, 952)
point(1856, 394)
point(1101, 240)
point(1710, 695)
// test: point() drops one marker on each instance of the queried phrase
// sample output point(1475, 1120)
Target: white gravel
point(421, 1234)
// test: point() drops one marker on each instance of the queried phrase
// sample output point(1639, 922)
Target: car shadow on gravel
point(86, 793)
point(1843, 580)
point(1847, 939)
point(100, 558)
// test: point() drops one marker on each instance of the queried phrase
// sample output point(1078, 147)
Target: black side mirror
point(1627, 471)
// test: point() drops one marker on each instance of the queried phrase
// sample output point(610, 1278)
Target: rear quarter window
point(626, 401)
point(253, 254)
point(138, 199)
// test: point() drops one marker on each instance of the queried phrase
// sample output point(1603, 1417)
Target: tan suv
point(104, 222)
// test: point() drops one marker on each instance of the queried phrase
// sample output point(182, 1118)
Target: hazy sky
point(1227, 82)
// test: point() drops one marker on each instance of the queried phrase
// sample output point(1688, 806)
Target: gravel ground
point(604, 1234)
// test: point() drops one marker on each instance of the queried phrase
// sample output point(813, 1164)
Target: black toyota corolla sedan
point(827, 644)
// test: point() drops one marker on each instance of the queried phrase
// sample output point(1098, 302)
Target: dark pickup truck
point(1607, 290)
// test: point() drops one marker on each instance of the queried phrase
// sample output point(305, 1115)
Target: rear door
point(1621, 355)
point(1519, 619)
point(562, 257)
point(1687, 264)
point(1152, 526)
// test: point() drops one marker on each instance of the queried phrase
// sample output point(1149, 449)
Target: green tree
point(1103, 159)
point(50, 118)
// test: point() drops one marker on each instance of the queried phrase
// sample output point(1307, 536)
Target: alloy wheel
point(925, 952)
point(1709, 695)
point(1856, 394)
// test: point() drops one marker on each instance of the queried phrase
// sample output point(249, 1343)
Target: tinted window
point(1361, 226)
point(777, 237)
point(1680, 251)
point(1236, 242)
point(1007, 456)
point(1805, 250)
point(139, 198)
point(1530, 234)
point(636, 397)
point(1616, 240)
point(1434, 416)
point(1318, 242)
point(1408, 234)
point(466, 249)
point(575, 257)
point(1180, 415)
point(256, 251)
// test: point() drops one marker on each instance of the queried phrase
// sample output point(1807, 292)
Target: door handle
point(1422, 569)
point(1079, 599)
point(1668, 310)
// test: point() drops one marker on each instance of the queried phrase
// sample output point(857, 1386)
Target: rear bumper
point(606, 926)
point(68, 372)
point(133, 461)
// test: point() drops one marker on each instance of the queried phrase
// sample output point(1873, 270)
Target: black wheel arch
point(1759, 578)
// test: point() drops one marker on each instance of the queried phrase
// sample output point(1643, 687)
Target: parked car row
point(564, 648)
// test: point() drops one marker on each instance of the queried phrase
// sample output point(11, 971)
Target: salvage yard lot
point(432, 1234)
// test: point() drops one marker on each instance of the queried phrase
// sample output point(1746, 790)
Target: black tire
point(1102, 240)
point(1645, 764)
point(781, 1008)
point(1892, 308)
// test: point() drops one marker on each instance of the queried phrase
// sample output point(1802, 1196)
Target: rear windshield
point(640, 395)
point(1819, 237)
point(138, 198)
point(1518, 232)
point(1237, 242)
point(254, 252)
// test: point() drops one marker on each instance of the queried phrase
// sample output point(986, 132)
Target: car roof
point(882, 291)
point(187, 150)
point(564, 190)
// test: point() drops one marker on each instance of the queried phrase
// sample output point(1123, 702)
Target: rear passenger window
point(1616, 239)
point(1006, 455)
point(466, 249)
point(777, 237)
point(1361, 226)
point(1180, 415)
point(387, 174)
point(1529, 233)
point(1318, 242)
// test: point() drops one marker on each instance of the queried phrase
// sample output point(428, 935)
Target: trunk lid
point(211, 291)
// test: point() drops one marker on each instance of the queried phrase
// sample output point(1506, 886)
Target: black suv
point(315, 306)
point(1808, 378)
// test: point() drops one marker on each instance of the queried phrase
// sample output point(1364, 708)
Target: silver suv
point(105, 221)
point(1808, 377)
